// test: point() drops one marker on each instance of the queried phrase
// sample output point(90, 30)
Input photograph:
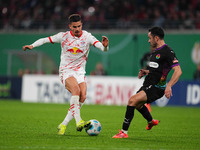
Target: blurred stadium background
point(124, 22)
point(32, 76)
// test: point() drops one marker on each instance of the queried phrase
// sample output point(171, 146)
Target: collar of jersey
point(160, 47)
point(75, 36)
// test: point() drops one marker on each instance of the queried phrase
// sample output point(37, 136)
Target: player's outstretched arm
point(175, 77)
point(37, 43)
point(25, 47)
point(103, 46)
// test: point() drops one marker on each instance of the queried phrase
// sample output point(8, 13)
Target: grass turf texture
point(34, 126)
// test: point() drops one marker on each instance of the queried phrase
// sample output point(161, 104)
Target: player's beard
point(154, 45)
point(77, 33)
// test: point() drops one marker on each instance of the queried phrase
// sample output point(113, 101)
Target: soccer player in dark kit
point(162, 60)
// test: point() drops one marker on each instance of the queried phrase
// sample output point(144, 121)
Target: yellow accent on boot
point(82, 124)
point(61, 129)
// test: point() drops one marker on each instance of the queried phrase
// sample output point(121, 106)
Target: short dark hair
point(157, 31)
point(74, 18)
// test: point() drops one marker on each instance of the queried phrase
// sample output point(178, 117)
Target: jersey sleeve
point(96, 43)
point(40, 42)
point(56, 38)
point(172, 59)
point(52, 39)
point(92, 40)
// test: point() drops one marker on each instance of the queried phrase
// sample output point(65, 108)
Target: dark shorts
point(153, 93)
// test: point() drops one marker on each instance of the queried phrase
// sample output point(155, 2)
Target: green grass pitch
point(33, 126)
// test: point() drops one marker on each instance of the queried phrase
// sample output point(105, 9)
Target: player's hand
point(25, 47)
point(142, 72)
point(105, 41)
point(168, 92)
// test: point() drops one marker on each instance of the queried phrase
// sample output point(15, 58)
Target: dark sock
point(128, 117)
point(145, 113)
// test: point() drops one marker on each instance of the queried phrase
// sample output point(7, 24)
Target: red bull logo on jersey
point(74, 50)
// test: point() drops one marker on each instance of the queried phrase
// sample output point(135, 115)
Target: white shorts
point(80, 77)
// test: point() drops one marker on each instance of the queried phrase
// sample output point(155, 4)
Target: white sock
point(69, 115)
point(74, 102)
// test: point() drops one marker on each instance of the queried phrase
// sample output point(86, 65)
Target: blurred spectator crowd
point(100, 14)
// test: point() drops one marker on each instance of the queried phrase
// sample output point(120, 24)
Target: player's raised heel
point(83, 124)
point(150, 125)
point(61, 129)
point(120, 135)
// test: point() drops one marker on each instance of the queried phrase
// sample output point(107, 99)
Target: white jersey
point(75, 50)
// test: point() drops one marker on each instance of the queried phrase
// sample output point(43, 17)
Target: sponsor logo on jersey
point(74, 50)
point(153, 64)
point(82, 43)
point(158, 56)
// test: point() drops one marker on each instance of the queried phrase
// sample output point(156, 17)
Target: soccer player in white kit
point(75, 46)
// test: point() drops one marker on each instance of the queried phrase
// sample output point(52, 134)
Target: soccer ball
point(95, 128)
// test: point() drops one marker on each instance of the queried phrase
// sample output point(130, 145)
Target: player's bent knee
point(134, 101)
point(75, 91)
point(131, 102)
